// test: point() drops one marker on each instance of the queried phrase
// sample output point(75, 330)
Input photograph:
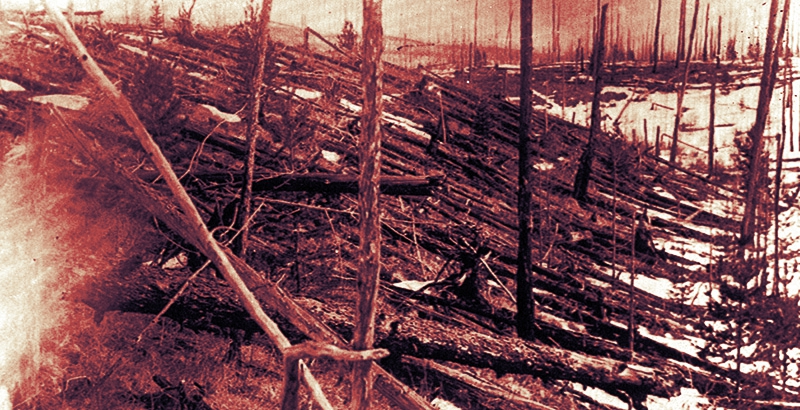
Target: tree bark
point(705, 38)
point(755, 168)
point(681, 48)
point(369, 252)
point(585, 166)
point(656, 38)
point(712, 120)
point(673, 153)
point(256, 83)
point(526, 310)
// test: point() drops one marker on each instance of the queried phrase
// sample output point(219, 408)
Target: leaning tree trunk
point(369, 145)
point(585, 166)
point(526, 310)
point(756, 133)
point(256, 81)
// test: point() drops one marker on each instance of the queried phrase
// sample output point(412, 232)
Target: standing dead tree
point(256, 84)
point(673, 152)
point(705, 38)
point(756, 134)
point(526, 310)
point(585, 166)
point(369, 150)
point(681, 47)
point(655, 39)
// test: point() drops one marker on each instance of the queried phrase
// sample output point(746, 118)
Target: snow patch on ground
point(331, 156)
point(203, 77)
point(688, 399)
point(10, 86)
point(601, 396)
point(303, 93)
point(134, 50)
point(67, 101)
point(442, 404)
point(222, 116)
point(687, 345)
point(409, 126)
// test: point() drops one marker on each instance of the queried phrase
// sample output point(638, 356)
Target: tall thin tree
point(673, 153)
point(369, 151)
point(585, 166)
point(251, 132)
point(705, 38)
point(681, 47)
point(756, 133)
point(526, 309)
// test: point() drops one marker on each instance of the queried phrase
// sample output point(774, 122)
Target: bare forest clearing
point(518, 205)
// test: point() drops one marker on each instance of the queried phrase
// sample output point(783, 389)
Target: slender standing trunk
point(526, 309)
point(705, 39)
point(756, 134)
point(711, 121)
point(719, 40)
point(631, 290)
point(679, 53)
point(510, 24)
point(781, 143)
point(553, 31)
point(256, 84)
point(673, 153)
point(585, 166)
point(369, 150)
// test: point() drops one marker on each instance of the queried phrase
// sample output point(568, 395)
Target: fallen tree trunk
point(165, 210)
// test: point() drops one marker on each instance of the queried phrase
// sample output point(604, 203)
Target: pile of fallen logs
point(449, 213)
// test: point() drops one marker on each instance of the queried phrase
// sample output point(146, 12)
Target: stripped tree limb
point(293, 356)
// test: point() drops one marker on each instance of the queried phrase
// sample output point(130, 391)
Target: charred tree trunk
point(256, 83)
point(369, 253)
point(705, 38)
point(719, 41)
point(526, 310)
point(585, 166)
point(679, 52)
point(711, 120)
point(755, 169)
point(673, 153)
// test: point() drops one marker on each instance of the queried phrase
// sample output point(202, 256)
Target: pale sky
point(452, 20)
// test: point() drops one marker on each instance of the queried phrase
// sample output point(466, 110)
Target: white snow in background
point(134, 50)
point(734, 111)
point(70, 102)
point(331, 156)
point(10, 86)
point(689, 399)
point(601, 396)
point(221, 116)
point(442, 404)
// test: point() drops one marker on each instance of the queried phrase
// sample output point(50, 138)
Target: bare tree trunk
point(711, 121)
point(369, 253)
point(705, 39)
point(673, 153)
point(679, 53)
point(526, 309)
point(585, 167)
point(756, 134)
point(719, 40)
point(256, 84)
